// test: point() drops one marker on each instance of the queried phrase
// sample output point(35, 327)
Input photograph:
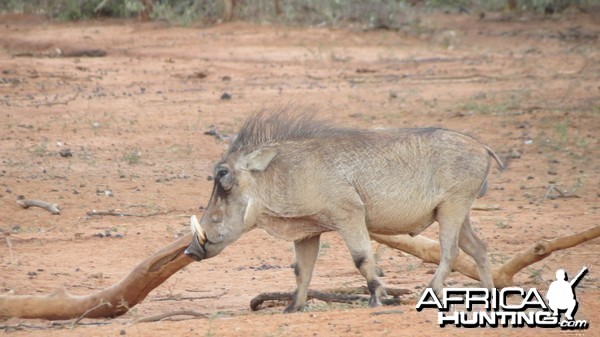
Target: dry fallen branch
point(52, 325)
point(561, 194)
point(428, 250)
point(52, 208)
point(187, 298)
point(9, 244)
point(119, 298)
point(166, 315)
point(115, 212)
point(348, 296)
point(64, 102)
point(110, 302)
point(486, 208)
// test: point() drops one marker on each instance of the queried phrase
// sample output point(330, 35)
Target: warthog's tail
point(484, 186)
point(496, 158)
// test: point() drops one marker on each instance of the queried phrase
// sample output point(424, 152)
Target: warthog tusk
point(197, 230)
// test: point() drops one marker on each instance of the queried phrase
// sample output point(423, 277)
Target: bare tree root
point(428, 250)
point(350, 295)
point(110, 302)
point(52, 208)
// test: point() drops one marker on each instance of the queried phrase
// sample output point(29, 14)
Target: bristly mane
point(271, 127)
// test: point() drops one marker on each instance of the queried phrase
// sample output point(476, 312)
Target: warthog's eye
point(221, 173)
point(224, 178)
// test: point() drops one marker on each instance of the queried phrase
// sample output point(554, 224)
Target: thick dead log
point(110, 302)
point(428, 250)
point(119, 298)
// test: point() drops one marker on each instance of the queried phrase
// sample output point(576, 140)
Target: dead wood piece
point(561, 194)
point(52, 208)
point(133, 288)
point(9, 244)
point(110, 302)
point(114, 212)
point(65, 102)
point(164, 316)
point(52, 325)
point(347, 297)
point(83, 53)
point(486, 208)
point(428, 250)
point(387, 312)
point(187, 298)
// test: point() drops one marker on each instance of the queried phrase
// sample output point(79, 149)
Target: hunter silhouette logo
point(561, 294)
point(510, 306)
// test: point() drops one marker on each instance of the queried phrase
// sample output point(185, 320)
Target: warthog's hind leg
point(307, 251)
point(450, 216)
point(474, 247)
point(359, 244)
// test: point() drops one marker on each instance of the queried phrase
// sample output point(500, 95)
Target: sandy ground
point(134, 122)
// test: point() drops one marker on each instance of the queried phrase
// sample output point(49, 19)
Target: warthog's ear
point(257, 160)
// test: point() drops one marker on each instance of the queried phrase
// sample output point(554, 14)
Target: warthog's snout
point(196, 250)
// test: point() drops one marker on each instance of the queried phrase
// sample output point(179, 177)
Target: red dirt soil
point(135, 119)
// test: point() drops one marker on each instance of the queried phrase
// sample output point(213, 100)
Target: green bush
point(72, 9)
point(373, 13)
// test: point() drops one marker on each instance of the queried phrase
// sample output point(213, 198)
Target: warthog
point(296, 178)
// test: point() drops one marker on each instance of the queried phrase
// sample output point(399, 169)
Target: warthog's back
point(400, 175)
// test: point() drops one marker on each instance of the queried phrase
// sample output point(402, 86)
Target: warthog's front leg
point(307, 251)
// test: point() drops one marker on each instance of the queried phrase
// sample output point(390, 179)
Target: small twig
point(52, 208)
point(113, 212)
point(9, 243)
point(65, 102)
point(387, 312)
point(166, 315)
point(218, 135)
point(561, 194)
point(84, 53)
point(99, 305)
point(184, 298)
point(486, 208)
point(197, 290)
point(50, 325)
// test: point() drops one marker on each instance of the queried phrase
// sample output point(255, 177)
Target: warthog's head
point(231, 211)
